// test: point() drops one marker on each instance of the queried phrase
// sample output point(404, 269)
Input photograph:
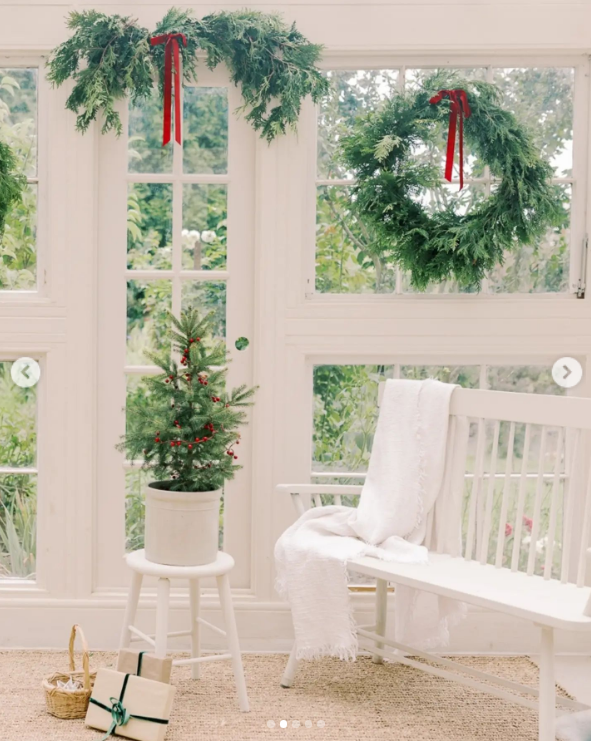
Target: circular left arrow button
point(25, 372)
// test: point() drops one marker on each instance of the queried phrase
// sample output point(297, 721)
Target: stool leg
point(195, 597)
point(133, 597)
point(162, 617)
point(233, 643)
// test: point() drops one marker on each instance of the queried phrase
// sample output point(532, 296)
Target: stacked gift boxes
point(135, 701)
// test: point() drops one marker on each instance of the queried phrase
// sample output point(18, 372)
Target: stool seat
point(137, 561)
point(219, 569)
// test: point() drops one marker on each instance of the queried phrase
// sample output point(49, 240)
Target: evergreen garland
point(110, 58)
point(445, 245)
point(186, 427)
point(12, 183)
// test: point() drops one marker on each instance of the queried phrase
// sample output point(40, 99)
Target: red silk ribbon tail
point(167, 120)
point(178, 118)
point(451, 140)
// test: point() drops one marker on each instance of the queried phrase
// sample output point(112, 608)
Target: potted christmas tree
point(186, 431)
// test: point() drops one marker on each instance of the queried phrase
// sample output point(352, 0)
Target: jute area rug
point(330, 700)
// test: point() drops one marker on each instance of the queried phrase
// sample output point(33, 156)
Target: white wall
point(406, 24)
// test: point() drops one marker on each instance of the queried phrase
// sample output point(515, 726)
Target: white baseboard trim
point(262, 627)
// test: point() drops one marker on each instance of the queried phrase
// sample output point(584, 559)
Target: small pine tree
point(186, 427)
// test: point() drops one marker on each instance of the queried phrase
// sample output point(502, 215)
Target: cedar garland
point(110, 58)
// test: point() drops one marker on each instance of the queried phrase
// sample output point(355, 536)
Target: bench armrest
point(296, 490)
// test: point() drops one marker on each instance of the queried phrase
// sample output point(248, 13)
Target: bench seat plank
point(546, 602)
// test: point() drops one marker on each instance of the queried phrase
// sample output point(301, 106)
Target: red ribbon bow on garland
point(171, 48)
point(458, 109)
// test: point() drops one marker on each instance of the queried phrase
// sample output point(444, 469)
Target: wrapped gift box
point(130, 706)
point(144, 664)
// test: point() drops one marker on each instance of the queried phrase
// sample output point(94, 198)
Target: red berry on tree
point(190, 446)
point(156, 439)
point(191, 340)
point(235, 457)
point(172, 444)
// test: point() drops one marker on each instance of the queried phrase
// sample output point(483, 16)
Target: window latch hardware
point(581, 285)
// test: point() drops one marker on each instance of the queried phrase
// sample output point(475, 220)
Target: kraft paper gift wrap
point(130, 706)
point(144, 664)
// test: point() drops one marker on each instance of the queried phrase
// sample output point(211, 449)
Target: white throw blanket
point(398, 501)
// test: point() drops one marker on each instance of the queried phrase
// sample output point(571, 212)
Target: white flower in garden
point(185, 232)
point(540, 544)
point(194, 234)
point(208, 237)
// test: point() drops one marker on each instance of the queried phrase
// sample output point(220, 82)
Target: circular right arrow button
point(567, 372)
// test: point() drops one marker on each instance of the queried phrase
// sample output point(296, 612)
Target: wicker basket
point(70, 703)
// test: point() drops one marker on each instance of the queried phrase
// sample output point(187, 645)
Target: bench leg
point(290, 669)
point(381, 612)
point(547, 714)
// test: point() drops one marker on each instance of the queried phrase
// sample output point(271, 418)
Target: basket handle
point(85, 660)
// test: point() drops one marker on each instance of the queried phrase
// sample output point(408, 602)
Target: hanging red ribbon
point(171, 49)
point(459, 108)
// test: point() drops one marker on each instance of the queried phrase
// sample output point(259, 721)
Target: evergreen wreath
point(110, 58)
point(447, 245)
point(12, 183)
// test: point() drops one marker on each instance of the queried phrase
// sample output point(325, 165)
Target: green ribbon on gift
point(119, 714)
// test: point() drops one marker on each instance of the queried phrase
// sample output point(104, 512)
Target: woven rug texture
point(330, 701)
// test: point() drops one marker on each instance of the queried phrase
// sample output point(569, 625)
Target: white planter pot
point(181, 526)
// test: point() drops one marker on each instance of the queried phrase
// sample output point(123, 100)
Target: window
point(18, 128)
point(186, 238)
point(541, 97)
point(18, 477)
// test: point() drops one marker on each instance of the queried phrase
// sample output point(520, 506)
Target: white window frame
point(113, 369)
point(37, 323)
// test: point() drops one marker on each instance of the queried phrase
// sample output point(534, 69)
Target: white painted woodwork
point(78, 311)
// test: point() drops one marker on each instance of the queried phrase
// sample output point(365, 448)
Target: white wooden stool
point(220, 568)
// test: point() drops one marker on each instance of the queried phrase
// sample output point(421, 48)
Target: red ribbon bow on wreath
point(171, 48)
point(459, 108)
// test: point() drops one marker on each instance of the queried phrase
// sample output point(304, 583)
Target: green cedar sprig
point(12, 183)
point(446, 245)
point(110, 58)
point(186, 428)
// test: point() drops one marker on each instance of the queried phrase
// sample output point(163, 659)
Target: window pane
point(435, 152)
point(539, 268)
point(147, 321)
point(344, 247)
point(209, 297)
point(18, 526)
point(205, 130)
point(352, 92)
point(466, 376)
point(345, 415)
point(136, 481)
point(18, 128)
point(205, 212)
point(18, 249)
point(18, 421)
point(542, 99)
point(526, 379)
point(18, 115)
point(149, 226)
point(144, 145)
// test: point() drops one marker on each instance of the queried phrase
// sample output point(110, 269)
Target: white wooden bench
point(525, 453)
